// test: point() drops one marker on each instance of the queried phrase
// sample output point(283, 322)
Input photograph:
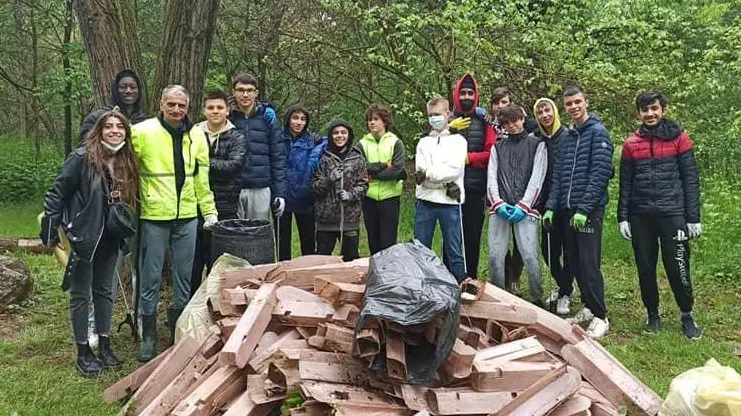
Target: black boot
point(106, 356)
point(148, 343)
point(172, 319)
point(87, 364)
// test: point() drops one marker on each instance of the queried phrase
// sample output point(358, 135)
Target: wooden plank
point(368, 342)
point(338, 339)
point(227, 325)
point(341, 394)
point(500, 312)
point(262, 390)
point(253, 323)
point(473, 337)
point(575, 406)
point(332, 368)
point(396, 357)
point(257, 362)
point(201, 400)
point(232, 278)
point(303, 278)
point(345, 410)
point(168, 369)
point(129, 384)
point(509, 375)
point(415, 397)
point(464, 401)
point(600, 405)
point(460, 361)
point(302, 262)
point(244, 406)
point(168, 398)
point(339, 293)
point(611, 378)
point(540, 399)
point(267, 339)
point(511, 350)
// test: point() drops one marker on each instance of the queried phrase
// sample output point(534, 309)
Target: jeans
point(156, 237)
point(526, 234)
point(426, 216)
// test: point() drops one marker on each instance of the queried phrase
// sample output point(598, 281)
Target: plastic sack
point(712, 389)
point(195, 320)
point(409, 285)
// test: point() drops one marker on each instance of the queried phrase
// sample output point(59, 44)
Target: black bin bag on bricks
point(409, 285)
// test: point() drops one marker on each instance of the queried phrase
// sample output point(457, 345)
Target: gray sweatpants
point(156, 237)
point(94, 281)
point(526, 234)
point(254, 204)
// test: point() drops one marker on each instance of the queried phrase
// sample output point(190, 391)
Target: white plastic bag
point(710, 390)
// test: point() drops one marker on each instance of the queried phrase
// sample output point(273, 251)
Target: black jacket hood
point(289, 113)
point(665, 130)
point(115, 98)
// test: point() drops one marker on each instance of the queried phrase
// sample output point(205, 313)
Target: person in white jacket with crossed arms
point(440, 162)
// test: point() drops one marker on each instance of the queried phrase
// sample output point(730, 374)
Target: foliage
point(24, 175)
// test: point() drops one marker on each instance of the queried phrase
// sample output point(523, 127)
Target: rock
point(16, 283)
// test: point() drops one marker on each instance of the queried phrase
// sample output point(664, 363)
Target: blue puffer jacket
point(264, 165)
point(302, 159)
point(583, 169)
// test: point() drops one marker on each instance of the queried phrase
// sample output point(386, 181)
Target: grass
point(36, 352)
point(19, 220)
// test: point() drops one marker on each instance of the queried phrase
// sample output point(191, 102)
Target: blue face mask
point(436, 122)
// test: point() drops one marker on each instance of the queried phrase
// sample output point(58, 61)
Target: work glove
point(460, 123)
point(279, 205)
point(375, 168)
point(694, 230)
point(335, 175)
point(547, 220)
point(453, 191)
point(209, 221)
point(49, 234)
point(579, 220)
point(269, 116)
point(344, 195)
point(503, 212)
point(420, 176)
point(625, 230)
point(516, 214)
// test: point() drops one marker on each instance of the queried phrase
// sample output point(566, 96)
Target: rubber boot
point(87, 364)
point(106, 356)
point(148, 343)
point(172, 319)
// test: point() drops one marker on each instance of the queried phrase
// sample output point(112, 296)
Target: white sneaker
point(92, 336)
point(563, 305)
point(552, 298)
point(598, 328)
point(583, 315)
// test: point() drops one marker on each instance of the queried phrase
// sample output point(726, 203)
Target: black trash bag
point(251, 240)
point(409, 285)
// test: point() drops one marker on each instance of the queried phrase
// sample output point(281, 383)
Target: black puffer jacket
point(136, 116)
point(226, 159)
point(658, 174)
point(77, 201)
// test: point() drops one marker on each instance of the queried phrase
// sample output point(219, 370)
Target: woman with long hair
point(97, 183)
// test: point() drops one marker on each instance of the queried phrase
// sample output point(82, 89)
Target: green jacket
point(159, 198)
point(384, 160)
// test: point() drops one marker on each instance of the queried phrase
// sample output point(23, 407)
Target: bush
point(24, 176)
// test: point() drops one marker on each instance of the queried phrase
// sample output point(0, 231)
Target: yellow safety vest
point(381, 150)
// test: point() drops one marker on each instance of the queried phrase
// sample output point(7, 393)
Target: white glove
point(625, 230)
point(209, 221)
point(279, 205)
point(694, 230)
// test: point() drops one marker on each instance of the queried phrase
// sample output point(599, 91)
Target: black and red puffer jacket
point(658, 174)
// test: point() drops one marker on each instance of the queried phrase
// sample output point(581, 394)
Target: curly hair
point(510, 113)
point(382, 112)
point(121, 169)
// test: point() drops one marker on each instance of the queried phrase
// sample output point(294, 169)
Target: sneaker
point(689, 328)
point(552, 298)
point(563, 305)
point(584, 315)
point(653, 324)
point(598, 328)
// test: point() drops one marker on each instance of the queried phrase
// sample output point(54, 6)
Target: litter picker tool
point(129, 320)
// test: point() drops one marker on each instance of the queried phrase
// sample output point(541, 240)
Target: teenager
point(303, 150)
point(659, 206)
point(440, 162)
point(579, 192)
point(339, 185)
point(384, 155)
point(517, 168)
point(104, 169)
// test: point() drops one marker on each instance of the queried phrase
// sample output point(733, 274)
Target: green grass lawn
point(19, 220)
point(36, 352)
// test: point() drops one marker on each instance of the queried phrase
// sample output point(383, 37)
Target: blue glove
point(480, 111)
point(516, 215)
point(269, 116)
point(503, 212)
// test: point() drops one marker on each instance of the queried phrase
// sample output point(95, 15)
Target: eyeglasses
point(244, 91)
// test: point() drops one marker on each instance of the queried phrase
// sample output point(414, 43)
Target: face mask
point(466, 104)
point(436, 122)
point(113, 149)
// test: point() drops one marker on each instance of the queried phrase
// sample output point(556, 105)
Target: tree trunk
point(186, 44)
point(69, 26)
point(111, 42)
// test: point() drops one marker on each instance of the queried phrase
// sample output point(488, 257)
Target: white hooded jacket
point(442, 156)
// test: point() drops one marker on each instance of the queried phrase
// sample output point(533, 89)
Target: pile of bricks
point(285, 333)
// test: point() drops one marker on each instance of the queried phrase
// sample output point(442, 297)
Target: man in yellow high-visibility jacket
point(173, 157)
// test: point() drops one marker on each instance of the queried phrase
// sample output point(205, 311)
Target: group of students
point(181, 178)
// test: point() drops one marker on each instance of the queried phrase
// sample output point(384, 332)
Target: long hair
point(120, 169)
